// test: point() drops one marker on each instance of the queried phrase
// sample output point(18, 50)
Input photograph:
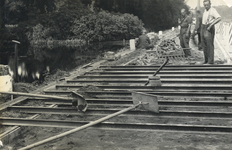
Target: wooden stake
point(16, 59)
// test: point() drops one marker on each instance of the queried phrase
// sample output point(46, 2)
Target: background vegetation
point(57, 16)
point(105, 26)
point(29, 21)
point(155, 14)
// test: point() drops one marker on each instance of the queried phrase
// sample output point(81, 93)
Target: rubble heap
point(169, 47)
point(146, 60)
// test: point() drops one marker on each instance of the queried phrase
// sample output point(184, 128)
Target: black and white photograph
point(116, 75)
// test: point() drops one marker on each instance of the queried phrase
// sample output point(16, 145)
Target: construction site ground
point(97, 139)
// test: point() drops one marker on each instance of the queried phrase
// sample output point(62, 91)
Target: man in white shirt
point(210, 18)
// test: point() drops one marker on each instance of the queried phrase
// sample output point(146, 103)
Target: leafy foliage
point(39, 32)
point(105, 26)
point(83, 19)
point(37, 20)
point(156, 14)
point(12, 12)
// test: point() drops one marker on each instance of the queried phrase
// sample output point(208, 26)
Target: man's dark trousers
point(184, 41)
point(199, 40)
point(208, 43)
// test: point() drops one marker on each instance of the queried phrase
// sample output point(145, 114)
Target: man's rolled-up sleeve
point(215, 14)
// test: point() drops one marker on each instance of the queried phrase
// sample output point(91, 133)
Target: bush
point(60, 22)
point(105, 26)
point(39, 33)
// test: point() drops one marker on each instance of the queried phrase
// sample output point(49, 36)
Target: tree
point(156, 14)
point(105, 26)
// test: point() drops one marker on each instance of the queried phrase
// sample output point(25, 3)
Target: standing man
point(197, 29)
point(185, 24)
point(210, 18)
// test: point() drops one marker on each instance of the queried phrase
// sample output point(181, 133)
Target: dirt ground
point(97, 139)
